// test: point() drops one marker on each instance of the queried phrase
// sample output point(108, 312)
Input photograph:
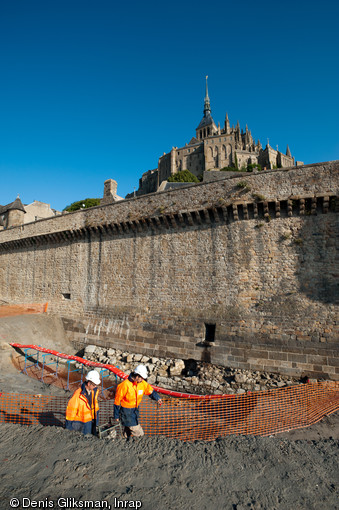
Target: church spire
point(207, 105)
point(207, 126)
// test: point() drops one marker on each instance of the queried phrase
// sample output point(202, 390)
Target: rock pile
point(190, 376)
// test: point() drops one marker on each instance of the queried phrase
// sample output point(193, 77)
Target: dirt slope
point(39, 329)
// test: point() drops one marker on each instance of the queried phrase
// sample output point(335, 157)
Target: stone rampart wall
point(240, 272)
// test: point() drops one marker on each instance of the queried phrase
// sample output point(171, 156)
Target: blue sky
point(92, 90)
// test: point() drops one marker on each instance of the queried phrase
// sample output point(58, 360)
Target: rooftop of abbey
point(214, 149)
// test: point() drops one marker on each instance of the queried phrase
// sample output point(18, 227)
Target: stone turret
point(12, 215)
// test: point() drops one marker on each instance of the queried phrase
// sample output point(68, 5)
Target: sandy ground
point(49, 463)
point(49, 467)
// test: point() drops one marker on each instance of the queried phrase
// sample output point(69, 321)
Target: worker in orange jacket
point(82, 413)
point(127, 400)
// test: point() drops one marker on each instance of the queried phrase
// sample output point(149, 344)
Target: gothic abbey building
point(214, 148)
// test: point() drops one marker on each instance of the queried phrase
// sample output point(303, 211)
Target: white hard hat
point(93, 376)
point(141, 370)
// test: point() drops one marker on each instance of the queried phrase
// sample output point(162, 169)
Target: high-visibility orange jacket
point(129, 394)
point(82, 410)
point(127, 399)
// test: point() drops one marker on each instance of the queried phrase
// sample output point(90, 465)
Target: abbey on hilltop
point(215, 148)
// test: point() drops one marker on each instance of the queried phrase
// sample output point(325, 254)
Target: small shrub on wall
point(253, 166)
point(82, 204)
point(183, 176)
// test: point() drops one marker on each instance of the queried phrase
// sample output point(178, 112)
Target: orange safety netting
point(11, 310)
point(261, 413)
point(183, 416)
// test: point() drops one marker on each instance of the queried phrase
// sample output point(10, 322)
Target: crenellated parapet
point(215, 214)
point(298, 190)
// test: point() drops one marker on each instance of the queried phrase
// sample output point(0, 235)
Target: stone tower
point(110, 192)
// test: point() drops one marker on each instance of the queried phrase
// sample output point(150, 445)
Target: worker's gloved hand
point(160, 402)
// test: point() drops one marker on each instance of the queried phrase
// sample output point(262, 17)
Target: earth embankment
point(36, 329)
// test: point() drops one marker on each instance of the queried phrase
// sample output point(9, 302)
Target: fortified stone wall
point(240, 272)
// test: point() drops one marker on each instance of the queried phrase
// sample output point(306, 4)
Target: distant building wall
point(37, 211)
point(152, 274)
